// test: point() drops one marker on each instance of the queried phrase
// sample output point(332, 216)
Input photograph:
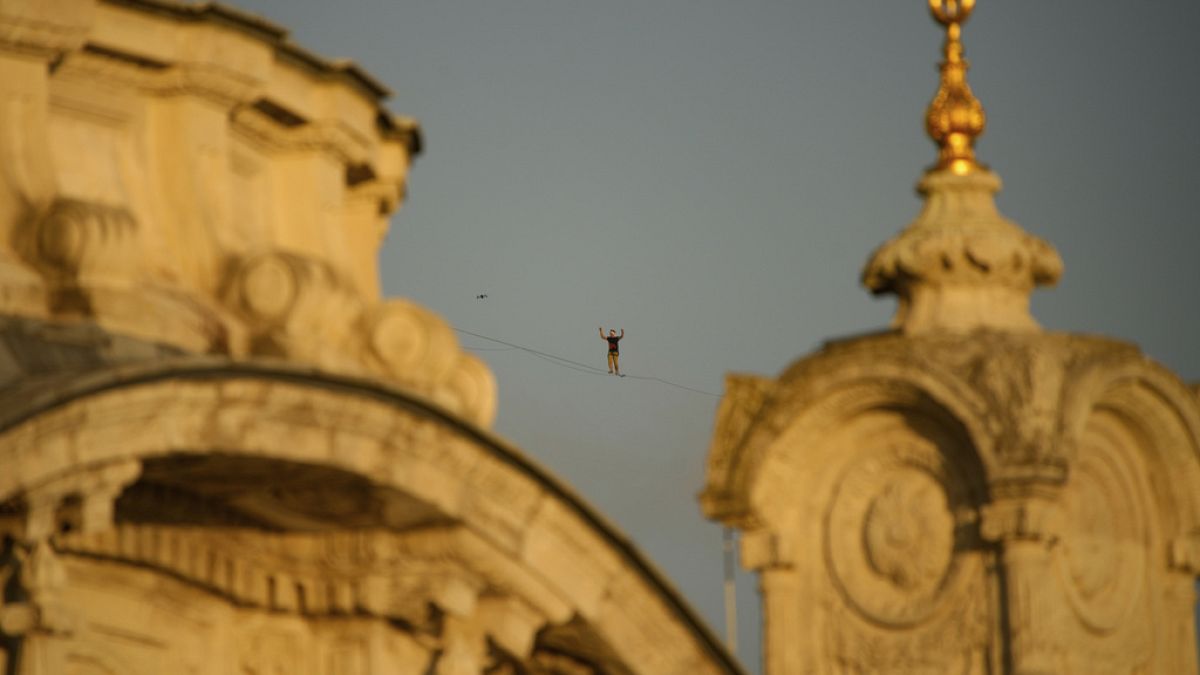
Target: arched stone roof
point(425, 466)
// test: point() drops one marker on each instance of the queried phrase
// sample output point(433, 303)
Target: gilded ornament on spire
point(955, 117)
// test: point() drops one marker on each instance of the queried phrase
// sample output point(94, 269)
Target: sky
point(710, 176)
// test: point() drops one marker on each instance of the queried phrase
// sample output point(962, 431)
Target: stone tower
point(965, 493)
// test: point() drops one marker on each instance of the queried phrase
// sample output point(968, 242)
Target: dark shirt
point(612, 343)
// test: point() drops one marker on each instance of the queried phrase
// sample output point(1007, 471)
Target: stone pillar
point(1025, 530)
point(786, 631)
point(1181, 600)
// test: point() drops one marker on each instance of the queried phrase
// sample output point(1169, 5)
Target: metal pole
point(731, 640)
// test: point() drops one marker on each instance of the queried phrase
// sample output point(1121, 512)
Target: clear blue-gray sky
point(711, 175)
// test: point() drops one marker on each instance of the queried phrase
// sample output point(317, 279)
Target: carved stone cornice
point(44, 29)
point(219, 84)
point(351, 572)
point(318, 136)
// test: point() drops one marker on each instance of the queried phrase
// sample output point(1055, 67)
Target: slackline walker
point(572, 365)
point(614, 352)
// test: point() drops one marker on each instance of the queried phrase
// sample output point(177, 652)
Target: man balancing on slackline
point(614, 353)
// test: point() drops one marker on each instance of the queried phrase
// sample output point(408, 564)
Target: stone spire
point(960, 265)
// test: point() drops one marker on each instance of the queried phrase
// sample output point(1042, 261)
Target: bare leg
point(611, 362)
point(616, 363)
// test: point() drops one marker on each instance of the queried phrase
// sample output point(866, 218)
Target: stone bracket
point(97, 490)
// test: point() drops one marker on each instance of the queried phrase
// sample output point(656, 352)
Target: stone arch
point(817, 429)
point(518, 519)
point(823, 392)
point(859, 490)
point(1130, 543)
point(1164, 416)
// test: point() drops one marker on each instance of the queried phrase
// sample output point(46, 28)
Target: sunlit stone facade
point(221, 451)
point(965, 493)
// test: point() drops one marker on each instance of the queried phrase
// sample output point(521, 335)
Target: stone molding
point(44, 29)
point(391, 575)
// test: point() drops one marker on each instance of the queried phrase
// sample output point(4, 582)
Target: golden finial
point(955, 117)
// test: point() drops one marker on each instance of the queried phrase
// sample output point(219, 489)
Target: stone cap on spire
point(960, 265)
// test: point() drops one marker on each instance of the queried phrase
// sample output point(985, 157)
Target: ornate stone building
point(221, 452)
point(966, 493)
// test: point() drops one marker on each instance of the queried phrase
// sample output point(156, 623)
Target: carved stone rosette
point(993, 503)
point(304, 310)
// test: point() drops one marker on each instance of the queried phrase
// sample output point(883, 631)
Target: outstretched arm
point(622, 332)
point(601, 332)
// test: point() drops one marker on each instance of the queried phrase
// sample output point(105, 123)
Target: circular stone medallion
point(890, 535)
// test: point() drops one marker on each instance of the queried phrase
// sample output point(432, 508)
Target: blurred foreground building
point(221, 452)
point(966, 493)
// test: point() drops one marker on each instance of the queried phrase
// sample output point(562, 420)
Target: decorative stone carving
point(95, 492)
point(891, 536)
point(1060, 436)
point(301, 309)
point(77, 242)
point(960, 265)
point(412, 344)
point(471, 390)
point(745, 398)
point(89, 256)
point(433, 583)
point(295, 308)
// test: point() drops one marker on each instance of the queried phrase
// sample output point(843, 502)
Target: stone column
point(1182, 599)
point(1025, 529)
point(786, 633)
